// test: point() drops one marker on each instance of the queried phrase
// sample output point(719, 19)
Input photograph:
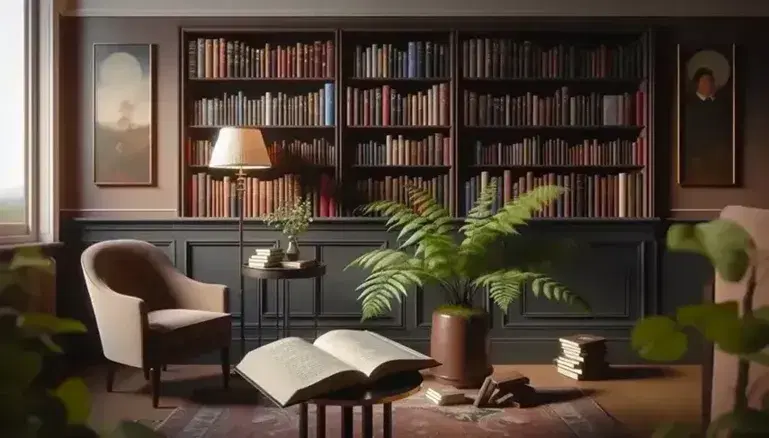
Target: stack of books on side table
point(298, 264)
point(266, 258)
point(583, 357)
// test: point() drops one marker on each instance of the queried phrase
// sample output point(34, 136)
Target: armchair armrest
point(122, 323)
point(196, 295)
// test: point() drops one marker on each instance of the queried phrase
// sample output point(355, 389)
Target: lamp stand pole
point(240, 189)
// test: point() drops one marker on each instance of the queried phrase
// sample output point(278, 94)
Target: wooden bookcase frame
point(342, 170)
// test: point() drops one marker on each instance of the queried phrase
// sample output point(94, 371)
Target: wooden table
point(384, 392)
point(280, 275)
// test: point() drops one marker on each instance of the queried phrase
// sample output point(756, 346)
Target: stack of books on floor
point(583, 357)
point(445, 396)
point(266, 258)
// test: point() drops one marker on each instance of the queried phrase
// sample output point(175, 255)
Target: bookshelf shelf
point(264, 126)
point(559, 80)
point(555, 167)
point(355, 115)
point(397, 127)
point(386, 167)
point(391, 79)
point(559, 127)
point(250, 79)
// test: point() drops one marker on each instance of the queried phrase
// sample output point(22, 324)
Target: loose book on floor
point(292, 370)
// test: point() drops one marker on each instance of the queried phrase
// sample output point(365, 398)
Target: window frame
point(29, 231)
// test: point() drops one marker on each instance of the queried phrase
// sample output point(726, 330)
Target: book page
point(292, 368)
point(371, 353)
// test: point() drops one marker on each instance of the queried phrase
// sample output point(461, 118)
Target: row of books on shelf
point(219, 58)
point(210, 197)
point(561, 109)
point(311, 109)
point(418, 59)
point(488, 58)
point(434, 150)
point(395, 188)
point(317, 151)
point(582, 357)
point(617, 195)
point(536, 151)
point(383, 106)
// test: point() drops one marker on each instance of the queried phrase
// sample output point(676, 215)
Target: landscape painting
point(123, 137)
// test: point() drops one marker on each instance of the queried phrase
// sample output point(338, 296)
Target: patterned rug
point(564, 413)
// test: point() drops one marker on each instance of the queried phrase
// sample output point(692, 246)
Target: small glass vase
point(292, 252)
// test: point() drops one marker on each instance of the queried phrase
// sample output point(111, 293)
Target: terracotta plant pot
point(459, 340)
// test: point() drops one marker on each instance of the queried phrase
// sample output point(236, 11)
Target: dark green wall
point(621, 267)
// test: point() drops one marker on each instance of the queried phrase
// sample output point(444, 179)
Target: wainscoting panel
point(619, 266)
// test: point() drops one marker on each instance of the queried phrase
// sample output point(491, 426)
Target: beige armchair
point(724, 366)
point(149, 314)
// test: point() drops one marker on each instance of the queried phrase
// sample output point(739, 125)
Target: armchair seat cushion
point(184, 331)
point(167, 320)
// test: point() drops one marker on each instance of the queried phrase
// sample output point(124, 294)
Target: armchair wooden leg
point(225, 357)
point(146, 372)
point(111, 368)
point(156, 386)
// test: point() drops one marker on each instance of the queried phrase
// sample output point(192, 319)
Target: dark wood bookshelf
point(556, 105)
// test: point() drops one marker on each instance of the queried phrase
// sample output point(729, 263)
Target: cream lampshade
point(241, 149)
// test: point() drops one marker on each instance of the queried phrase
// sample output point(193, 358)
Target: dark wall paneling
point(620, 267)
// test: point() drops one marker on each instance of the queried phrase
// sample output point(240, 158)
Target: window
point(16, 122)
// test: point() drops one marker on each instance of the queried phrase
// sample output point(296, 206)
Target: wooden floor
point(639, 397)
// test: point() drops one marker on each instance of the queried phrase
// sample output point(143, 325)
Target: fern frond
point(504, 223)
point(480, 214)
point(379, 259)
point(506, 286)
point(553, 290)
point(438, 253)
point(421, 216)
point(393, 274)
point(432, 218)
point(383, 287)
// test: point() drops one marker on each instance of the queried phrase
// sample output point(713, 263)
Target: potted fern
point(428, 253)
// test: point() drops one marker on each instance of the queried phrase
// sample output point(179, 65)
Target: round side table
point(281, 277)
point(382, 392)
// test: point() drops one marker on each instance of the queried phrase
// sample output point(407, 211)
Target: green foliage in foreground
point(29, 408)
point(733, 254)
point(429, 254)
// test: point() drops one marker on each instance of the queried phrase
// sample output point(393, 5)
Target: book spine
point(222, 58)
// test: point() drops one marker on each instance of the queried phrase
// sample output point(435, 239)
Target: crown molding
point(413, 8)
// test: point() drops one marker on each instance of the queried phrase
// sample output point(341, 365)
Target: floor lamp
point(240, 149)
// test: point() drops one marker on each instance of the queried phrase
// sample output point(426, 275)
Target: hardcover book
point(292, 370)
point(583, 342)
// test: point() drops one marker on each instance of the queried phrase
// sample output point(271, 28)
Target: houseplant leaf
point(747, 421)
point(18, 367)
point(74, 394)
point(725, 243)
point(46, 323)
point(674, 430)
point(658, 338)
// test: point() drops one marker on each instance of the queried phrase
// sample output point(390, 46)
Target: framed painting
point(707, 116)
point(123, 114)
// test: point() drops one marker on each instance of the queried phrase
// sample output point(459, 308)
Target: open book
point(292, 370)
